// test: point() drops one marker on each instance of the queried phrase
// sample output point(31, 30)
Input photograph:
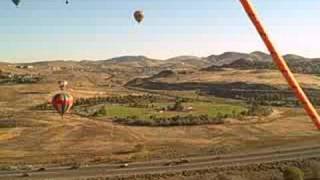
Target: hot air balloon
point(67, 2)
point(63, 85)
point(62, 103)
point(139, 16)
point(16, 2)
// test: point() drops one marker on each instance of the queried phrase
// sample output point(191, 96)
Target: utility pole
point(281, 63)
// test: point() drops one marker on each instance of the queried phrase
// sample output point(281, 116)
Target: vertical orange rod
point(281, 63)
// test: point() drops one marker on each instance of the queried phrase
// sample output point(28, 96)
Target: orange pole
point(281, 63)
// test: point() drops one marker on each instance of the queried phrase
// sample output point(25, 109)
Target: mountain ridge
point(224, 55)
point(230, 59)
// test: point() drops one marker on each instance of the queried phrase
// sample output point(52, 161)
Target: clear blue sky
point(100, 29)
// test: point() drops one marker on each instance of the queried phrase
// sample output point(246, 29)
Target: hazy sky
point(100, 29)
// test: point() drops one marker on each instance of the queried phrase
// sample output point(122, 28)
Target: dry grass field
point(42, 137)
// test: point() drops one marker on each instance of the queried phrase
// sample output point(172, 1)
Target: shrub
point(177, 105)
point(293, 173)
point(101, 112)
point(315, 168)
point(228, 177)
point(223, 177)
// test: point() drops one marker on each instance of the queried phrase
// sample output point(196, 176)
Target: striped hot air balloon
point(62, 102)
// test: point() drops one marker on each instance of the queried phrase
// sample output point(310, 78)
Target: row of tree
point(172, 121)
point(129, 99)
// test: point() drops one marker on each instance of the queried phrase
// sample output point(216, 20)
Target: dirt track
point(172, 166)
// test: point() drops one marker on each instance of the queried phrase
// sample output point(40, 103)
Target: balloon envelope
point(139, 16)
point(62, 102)
point(16, 2)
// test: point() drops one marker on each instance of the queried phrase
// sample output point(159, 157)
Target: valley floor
point(42, 137)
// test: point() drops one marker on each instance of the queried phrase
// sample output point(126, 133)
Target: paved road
point(162, 166)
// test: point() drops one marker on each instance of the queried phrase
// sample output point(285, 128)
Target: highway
point(169, 166)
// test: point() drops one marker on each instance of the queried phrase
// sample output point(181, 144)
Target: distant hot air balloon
point(63, 85)
point(139, 16)
point(16, 2)
point(62, 102)
point(67, 2)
